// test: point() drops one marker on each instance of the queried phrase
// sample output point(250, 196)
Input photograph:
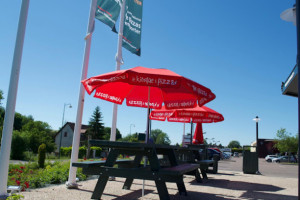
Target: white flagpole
point(71, 183)
point(11, 100)
point(119, 60)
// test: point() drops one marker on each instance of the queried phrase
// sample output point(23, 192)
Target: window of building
point(66, 134)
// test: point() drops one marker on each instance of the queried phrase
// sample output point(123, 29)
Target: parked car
point(283, 159)
point(218, 150)
point(212, 152)
point(269, 158)
point(226, 155)
point(235, 154)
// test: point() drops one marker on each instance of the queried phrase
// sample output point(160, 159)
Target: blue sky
point(241, 50)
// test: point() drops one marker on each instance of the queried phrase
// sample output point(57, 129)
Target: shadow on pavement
point(132, 195)
point(240, 185)
point(267, 196)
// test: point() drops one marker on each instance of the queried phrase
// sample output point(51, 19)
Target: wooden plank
point(179, 169)
point(99, 163)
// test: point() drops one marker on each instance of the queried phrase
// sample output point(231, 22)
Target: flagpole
point(119, 60)
point(11, 100)
point(71, 183)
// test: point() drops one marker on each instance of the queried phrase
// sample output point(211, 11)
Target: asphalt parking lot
point(265, 168)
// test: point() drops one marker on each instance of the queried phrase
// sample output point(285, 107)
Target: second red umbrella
point(197, 115)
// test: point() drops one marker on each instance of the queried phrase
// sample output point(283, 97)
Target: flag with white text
point(133, 26)
point(108, 12)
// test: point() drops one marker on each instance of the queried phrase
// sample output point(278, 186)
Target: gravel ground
point(224, 185)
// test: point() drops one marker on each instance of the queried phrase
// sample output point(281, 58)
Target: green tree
point(18, 146)
point(2, 112)
point(36, 133)
point(1, 96)
point(234, 144)
point(130, 138)
point(96, 128)
point(285, 142)
point(107, 131)
point(159, 137)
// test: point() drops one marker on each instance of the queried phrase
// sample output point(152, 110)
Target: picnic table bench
point(134, 170)
point(92, 167)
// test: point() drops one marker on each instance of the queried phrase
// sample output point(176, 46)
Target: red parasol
point(166, 87)
point(147, 87)
point(198, 135)
point(197, 115)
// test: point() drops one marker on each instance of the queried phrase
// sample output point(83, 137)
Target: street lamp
point(130, 127)
point(62, 124)
point(293, 14)
point(256, 119)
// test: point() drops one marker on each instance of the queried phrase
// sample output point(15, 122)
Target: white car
point(269, 158)
point(284, 159)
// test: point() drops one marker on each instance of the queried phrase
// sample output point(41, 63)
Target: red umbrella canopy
point(198, 135)
point(140, 85)
point(198, 114)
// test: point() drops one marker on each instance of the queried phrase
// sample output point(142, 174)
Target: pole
point(11, 100)
point(191, 131)
point(298, 59)
point(71, 183)
point(257, 148)
point(62, 124)
point(257, 145)
point(118, 65)
point(183, 135)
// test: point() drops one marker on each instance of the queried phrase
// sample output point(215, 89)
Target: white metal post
point(71, 183)
point(11, 100)
point(119, 60)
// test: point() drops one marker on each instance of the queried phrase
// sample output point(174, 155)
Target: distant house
point(265, 147)
point(67, 132)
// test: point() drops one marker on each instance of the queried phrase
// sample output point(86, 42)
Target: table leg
point(162, 190)
point(137, 161)
point(181, 186)
point(103, 178)
point(99, 188)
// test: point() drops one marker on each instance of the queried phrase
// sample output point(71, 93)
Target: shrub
point(18, 146)
point(42, 155)
point(239, 150)
point(15, 197)
point(98, 150)
point(66, 151)
point(82, 151)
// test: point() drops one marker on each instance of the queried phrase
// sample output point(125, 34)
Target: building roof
point(72, 126)
point(290, 86)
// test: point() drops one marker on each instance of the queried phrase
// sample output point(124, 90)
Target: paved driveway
point(265, 168)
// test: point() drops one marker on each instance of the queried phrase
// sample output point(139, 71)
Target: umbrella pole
point(191, 131)
point(147, 136)
point(182, 143)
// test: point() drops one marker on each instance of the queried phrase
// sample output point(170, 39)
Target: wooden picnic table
point(154, 171)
